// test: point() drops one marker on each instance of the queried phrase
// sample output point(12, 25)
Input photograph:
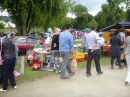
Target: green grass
point(29, 74)
point(78, 42)
point(103, 61)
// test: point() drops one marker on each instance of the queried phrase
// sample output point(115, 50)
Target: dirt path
point(110, 84)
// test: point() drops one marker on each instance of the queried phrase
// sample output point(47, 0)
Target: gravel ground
point(110, 84)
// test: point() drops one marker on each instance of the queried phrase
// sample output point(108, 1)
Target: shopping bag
point(74, 65)
point(122, 57)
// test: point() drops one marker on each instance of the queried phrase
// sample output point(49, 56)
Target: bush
point(1, 26)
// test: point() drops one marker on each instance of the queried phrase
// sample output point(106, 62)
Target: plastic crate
point(107, 48)
point(79, 56)
point(106, 53)
point(80, 60)
point(86, 56)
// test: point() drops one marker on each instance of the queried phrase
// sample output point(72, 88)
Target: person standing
point(8, 55)
point(90, 41)
point(55, 59)
point(127, 56)
point(115, 51)
point(66, 45)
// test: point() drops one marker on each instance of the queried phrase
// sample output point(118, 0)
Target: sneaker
point(71, 74)
point(88, 75)
point(100, 73)
point(15, 87)
point(50, 70)
point(112, 67)
point(126, 83)
point(121, 67)
point(58, 71)
point(1, 90)
point(65, 77)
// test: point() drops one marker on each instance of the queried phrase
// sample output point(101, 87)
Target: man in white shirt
point(91, 39)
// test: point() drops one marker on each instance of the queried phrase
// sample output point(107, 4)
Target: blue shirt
point(91, 40)
point(66, 42)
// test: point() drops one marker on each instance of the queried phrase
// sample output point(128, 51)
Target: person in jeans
point(55, 59)
point(66, 45)
point(90, 41)
point(8, 55)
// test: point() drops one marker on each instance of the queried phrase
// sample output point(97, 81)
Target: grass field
point(30, 75)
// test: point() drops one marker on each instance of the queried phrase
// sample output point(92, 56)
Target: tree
point(32, 13)
point(1, 26)
point(111, 13)
point(93, 22)
point(127, 2)
point(82, 15)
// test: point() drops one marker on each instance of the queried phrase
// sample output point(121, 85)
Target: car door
point(31, 42)
point(21, 43)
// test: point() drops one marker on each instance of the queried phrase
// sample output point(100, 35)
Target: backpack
point(1, 61)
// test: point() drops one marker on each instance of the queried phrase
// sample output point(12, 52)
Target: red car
point(26, 42)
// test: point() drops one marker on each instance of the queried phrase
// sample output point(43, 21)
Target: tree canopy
point(30, 13)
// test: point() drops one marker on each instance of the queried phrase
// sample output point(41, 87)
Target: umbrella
point(125, 25)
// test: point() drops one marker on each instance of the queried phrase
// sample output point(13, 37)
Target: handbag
point(1, 61)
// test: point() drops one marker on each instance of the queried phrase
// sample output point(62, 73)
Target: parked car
point(26, 42)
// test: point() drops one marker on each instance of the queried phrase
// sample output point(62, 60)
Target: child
point(29, 55)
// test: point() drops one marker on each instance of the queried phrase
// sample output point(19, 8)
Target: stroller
point(46, 65)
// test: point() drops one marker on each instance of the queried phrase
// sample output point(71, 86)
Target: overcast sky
point(93, 6)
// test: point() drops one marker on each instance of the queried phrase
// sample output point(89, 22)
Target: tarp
point(86, 29)
point(125, 25)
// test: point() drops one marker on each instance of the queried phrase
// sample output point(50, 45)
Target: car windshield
point(32, 40)
point(20, 40)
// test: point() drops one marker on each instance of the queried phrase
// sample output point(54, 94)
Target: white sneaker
point(50, 70)
point(1, 90)
point(15, 87)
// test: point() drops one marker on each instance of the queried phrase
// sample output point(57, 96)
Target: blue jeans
point(96, 55)
point(8, 72)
